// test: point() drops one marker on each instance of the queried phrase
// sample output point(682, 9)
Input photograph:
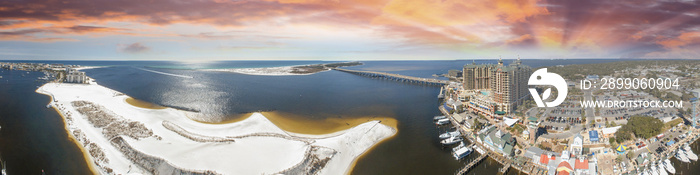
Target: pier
point(396, 77)
point(471, 164)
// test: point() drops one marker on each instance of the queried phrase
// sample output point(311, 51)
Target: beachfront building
point(498, 141)
point(497, 89)
point(75, 76)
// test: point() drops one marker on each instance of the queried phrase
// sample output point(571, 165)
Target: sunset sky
point(347, 29)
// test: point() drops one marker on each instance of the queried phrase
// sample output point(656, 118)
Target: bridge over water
point(396, 77)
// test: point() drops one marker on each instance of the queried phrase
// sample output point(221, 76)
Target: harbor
point(462, 131)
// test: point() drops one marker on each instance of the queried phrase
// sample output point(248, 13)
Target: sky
point(201, 30)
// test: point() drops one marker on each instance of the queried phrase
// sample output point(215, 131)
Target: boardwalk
point(396, 77)
point(472, 164)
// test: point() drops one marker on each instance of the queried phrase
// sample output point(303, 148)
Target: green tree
point(639, 126)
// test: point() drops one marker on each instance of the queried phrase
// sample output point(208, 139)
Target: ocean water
point(224, 96)
point(33, 138)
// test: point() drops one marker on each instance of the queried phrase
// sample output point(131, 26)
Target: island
point(289, 70)
point(125, 136)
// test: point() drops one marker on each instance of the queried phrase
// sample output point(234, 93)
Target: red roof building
point(564, 168)
point(581, 164)
point(544, 159)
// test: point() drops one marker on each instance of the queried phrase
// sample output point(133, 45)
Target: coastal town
point(486, 109)
point(52, 72)
point(488, 105)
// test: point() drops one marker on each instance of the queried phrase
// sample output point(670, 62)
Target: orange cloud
point(682, 40)
point(457, 12)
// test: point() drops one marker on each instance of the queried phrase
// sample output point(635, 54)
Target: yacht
point(669, 166)
point(686, 147)
point(439, 117)
point(461, 144)
point(462, 152)
point(660, 167)
point(682, 157)
point(692, 156)
point(653, 170)
point(449, 134)
point(442, 121)
point(451, 140)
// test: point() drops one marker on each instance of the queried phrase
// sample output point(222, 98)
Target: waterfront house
point(465, 121)
point(499, 142)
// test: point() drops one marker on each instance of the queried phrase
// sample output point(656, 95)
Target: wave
point(164, 73)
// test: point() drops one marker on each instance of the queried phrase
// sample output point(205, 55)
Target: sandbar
point(124, 138)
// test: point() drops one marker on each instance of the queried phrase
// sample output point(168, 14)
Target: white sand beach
point(268, 71)
point(89, 67)
point(125, 139)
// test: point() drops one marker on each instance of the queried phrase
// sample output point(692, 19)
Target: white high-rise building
point(75, 76)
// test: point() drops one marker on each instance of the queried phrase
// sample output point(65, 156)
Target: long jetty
point(396, 77)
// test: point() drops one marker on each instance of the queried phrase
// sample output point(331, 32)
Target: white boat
point(451, 140)
point(462, 152)
point(669, 166)
point(686, 147)
point(449, 134)
point(443, 121)
point(653, 170)
point(692, 156)
point(682, 157)
point(439, 117)
point(661, 169)
point(461, 144)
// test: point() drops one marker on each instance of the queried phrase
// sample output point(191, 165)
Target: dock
point(396, 77)
point(471, 164)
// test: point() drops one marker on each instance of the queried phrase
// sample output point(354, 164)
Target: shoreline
point(263, 71)
point(275, 116)
point(86, 155)
point(363, 154)
point(337, 154)
point(288, 70)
